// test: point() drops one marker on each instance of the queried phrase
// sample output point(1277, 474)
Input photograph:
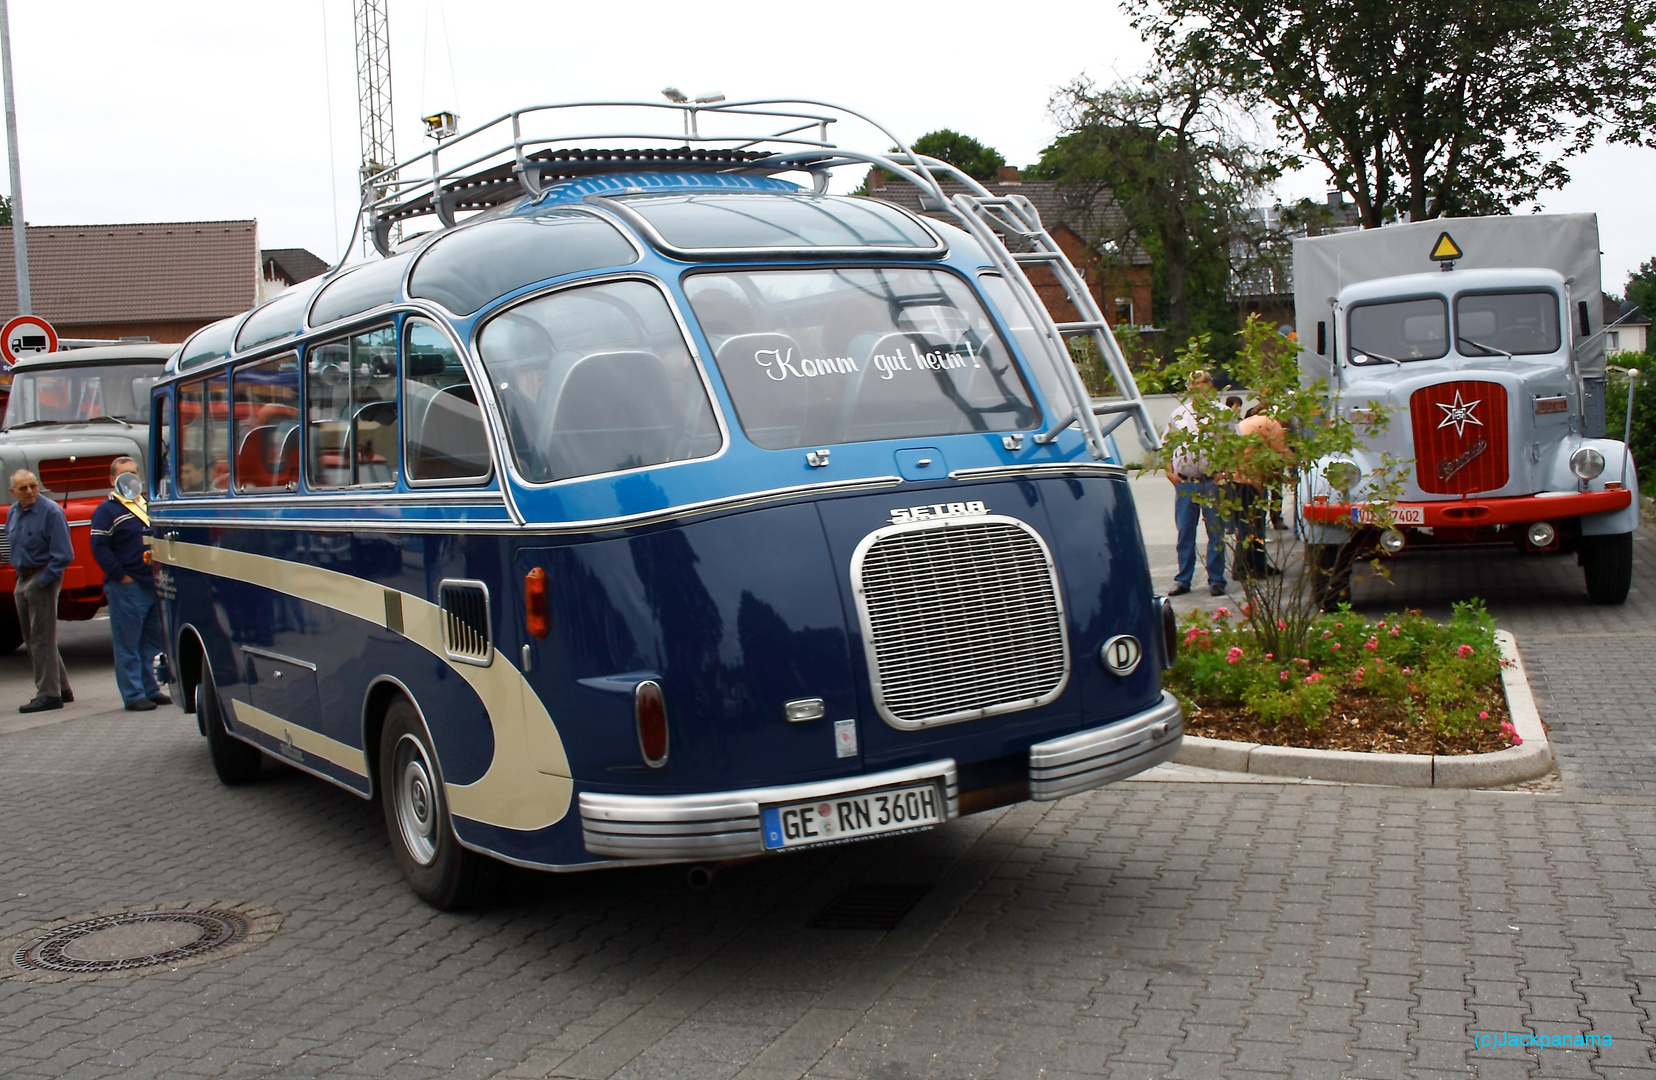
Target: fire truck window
point(1521, 323)
point(204, 436)
point(442, 420)
point(1399, 330)
point(351, 410)
point(267, 425)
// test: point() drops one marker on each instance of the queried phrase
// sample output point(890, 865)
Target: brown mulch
point(1357, 722)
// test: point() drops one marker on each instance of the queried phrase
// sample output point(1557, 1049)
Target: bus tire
point(440, 871)
point(1607, 564)
point(11, 632)
point(234, 761)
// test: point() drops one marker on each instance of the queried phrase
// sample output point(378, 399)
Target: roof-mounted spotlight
point(675, 95)
point(441, 125)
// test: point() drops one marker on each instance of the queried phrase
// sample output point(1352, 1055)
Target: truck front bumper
point(1475, 513)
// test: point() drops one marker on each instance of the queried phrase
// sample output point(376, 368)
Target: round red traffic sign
point(26, 336)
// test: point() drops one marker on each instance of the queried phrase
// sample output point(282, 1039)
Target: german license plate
point(853, 816)
point(1401, 515)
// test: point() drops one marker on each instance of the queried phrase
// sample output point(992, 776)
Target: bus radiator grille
point(960, 620)
point(465, 606)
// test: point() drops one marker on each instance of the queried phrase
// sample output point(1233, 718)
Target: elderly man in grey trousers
point(40, 552)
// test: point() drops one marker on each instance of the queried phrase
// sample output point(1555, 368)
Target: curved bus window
point(444, 439)
point(204, 436)
point(1398, 331)
point(597, 379)
point(161, 421)
point(351, 410)
point(267, 425)
point(831, 356)
point(1520, 323)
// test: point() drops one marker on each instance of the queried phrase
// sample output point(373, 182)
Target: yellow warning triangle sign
point(1445, 249)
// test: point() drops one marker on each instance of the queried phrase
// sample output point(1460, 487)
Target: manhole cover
point(137, 942)
point(867, 906)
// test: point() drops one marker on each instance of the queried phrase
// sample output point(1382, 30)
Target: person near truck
point(40, 552)
point(1195, 497)
point(1248, 496)
point(119, 527)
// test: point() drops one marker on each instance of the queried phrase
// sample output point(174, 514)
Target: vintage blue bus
point(658, 505)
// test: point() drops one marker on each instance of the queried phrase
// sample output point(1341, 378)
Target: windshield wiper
point(34, 423)
point(1488, 350)
point(1377, 356)
point(107, 420)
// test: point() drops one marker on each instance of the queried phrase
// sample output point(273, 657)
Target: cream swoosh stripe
point(303, 738)
point(527, 785)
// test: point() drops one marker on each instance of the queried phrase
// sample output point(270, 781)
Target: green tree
point(5, 212)
point(965, 153)
point(1641, 286)
point(1430, 108)
point(1164, 145)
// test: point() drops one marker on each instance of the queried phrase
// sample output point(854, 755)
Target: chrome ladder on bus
point(1000, 223)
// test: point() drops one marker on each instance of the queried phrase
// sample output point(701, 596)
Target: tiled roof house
point(159, 280)
point(1120, 285)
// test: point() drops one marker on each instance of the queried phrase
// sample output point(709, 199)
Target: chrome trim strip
point(280, 658)
point(865, 622)
point(729, 502)
point(1089, 759)
point(1034, 468)
point(725, 824)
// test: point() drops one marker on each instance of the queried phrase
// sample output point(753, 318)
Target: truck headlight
point(1343, 475)
point(1587, 463)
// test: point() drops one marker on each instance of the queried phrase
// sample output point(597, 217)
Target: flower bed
point(1401, 684)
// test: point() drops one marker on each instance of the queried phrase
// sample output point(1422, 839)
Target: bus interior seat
point(776, 412)
point(615, 411)
point(449, 440)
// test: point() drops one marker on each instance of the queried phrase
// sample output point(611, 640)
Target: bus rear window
point(833, 356)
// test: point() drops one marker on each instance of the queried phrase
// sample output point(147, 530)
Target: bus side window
point(192, 440)
point(218, 433)
point(351, 410)
point(161, 456)
point(442, 423)
point(267, 425)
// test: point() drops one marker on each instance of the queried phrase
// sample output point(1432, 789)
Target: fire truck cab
point(1491, 382)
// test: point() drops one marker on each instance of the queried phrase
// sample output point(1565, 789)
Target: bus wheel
point(440, 871)
point(1607, 563)
point(235, 761)
point(11, 634)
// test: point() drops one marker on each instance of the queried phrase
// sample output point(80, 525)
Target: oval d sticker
point(1121, 654)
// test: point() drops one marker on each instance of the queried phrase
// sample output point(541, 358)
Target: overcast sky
point(176, 110)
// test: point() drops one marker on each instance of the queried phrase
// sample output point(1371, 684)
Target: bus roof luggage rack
point(501, 161)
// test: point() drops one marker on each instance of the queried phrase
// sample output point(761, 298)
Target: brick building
point(1120, 285)
point(160, 281)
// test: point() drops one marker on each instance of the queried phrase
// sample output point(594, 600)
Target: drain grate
point(133, 939)
point(869, 906)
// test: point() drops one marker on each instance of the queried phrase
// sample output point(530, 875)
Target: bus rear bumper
point(1089, 759)
point(726, 825)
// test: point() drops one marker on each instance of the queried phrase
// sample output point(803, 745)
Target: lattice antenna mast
point(373, 60)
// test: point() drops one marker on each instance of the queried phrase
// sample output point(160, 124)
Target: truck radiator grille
point(1460, 437)
point(960, 619)
point(75, 475)
point(465, 606)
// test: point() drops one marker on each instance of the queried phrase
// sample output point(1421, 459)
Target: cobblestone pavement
point(1152, 929)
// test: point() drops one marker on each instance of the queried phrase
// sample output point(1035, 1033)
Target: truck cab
point(1478, 373)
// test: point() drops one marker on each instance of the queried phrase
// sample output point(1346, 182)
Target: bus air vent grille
point(960, 620)
point(466, 622)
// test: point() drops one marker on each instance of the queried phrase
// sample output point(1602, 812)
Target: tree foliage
point(1167, 146)
point(965, 153)
point(1641, 287)
point(1430, 109)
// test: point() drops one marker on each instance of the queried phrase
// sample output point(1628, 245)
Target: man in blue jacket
point(40, 552)
point(118, 530)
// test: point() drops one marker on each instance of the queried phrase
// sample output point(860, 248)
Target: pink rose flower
point(1234, 655)
point(1283, 676)
point(1465, 651)
point(1334, 647)
point(1372, 644)
point(1328, 633)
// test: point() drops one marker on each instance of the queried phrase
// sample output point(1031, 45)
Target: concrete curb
point(1531, 759)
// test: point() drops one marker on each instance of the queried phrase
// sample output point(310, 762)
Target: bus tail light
point(534, 603)
point(650, 712)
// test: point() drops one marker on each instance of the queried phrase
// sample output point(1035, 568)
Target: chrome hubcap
point(415, 795)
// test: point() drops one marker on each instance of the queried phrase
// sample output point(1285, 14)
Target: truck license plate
point(850, 817)
point(1401, 515)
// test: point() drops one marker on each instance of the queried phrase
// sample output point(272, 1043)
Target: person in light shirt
point(1188, 472)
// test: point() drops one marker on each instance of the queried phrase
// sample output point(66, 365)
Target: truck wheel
point(1329, 566)
point(1607, 564)
point(235, 762)
point(11, 634)
point(440, 871)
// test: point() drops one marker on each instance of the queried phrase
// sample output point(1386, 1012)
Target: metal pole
point(20, 239)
